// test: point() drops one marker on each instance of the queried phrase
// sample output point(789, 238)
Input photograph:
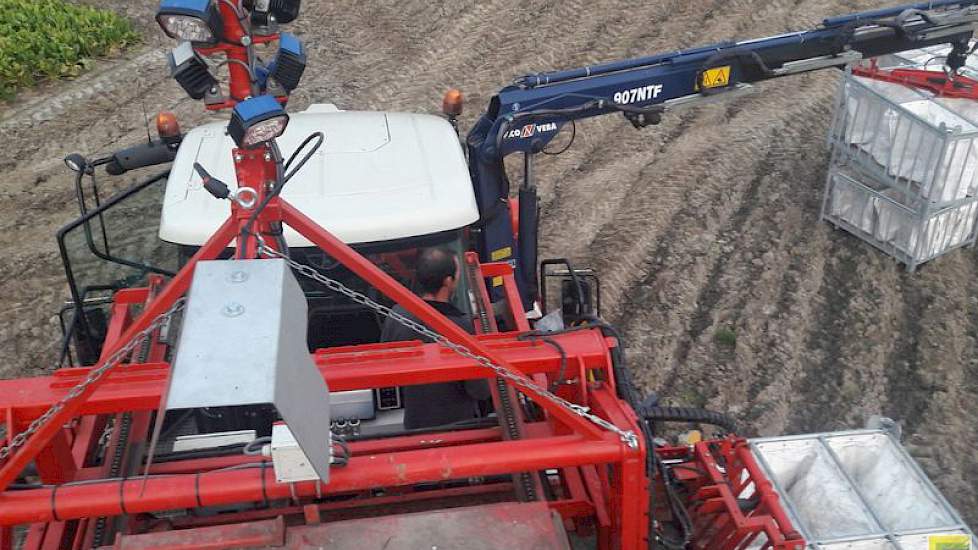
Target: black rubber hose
point(689, 414)
point(629, 393)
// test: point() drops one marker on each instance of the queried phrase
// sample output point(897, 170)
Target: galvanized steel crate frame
point(836, 463)
point(867, 175)
point(948, 145)
point(921, 215)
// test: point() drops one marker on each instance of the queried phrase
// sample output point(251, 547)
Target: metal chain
point(93, 376)
point(627, 436)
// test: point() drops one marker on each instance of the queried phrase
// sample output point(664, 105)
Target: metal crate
point(857, 490)
point(904, 170)
point(925, 148)
point(908, 228)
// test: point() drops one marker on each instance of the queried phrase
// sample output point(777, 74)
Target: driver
point(431, 405)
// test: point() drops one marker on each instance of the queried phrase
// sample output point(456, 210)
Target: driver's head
point(437, 272)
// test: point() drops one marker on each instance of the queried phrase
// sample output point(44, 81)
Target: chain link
point(93, 376)
point(626, 436)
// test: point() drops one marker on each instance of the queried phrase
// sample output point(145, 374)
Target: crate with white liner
point(904, 170)
point(913, 232)
point(858, 490)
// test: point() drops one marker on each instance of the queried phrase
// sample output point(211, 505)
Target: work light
point(287, 67)
point(198, 21)
point(265, 13)
point(257, 121)
point(191, 72)
point(285, 11)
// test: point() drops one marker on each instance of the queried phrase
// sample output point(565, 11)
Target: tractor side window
point(113, 245)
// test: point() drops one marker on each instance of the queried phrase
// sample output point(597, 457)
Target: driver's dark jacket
point(431, 405)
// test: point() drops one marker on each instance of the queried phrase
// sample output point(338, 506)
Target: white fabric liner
point(938, 234)
point(852, 205)
point(907, 542)
point(899, 226)
point(894, 492)
point(826, 505)
point(903, 134)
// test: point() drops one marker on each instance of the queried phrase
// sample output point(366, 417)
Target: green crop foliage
point(48, 39)
point(725, 337)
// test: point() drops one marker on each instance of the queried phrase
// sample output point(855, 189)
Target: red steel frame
point(566, 440)
point(938, 83)
point(602, 486)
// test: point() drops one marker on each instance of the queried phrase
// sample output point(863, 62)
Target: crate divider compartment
point(856, 490)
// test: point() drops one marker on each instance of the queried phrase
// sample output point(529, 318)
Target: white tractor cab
point(387, 184)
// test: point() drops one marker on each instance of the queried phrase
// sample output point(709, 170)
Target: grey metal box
point(243, 342)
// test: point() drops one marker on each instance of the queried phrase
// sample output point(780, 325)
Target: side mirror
point(580, 290)
point(576, 297)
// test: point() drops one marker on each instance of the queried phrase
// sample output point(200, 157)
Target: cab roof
point(378, 177)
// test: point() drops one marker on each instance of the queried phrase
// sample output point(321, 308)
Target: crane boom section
point(527, 115)
point(659, 80)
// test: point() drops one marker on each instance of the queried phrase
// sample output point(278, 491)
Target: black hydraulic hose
point(629, 393)
point(570, 142)
point(542, 336)
point(689, 414)
point(593, 103)
point(279, 184)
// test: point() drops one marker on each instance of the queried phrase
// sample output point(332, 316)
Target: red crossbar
point(112, 498)
point(938, 83)
point(139, 387)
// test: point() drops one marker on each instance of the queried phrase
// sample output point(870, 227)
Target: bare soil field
point(706, 223)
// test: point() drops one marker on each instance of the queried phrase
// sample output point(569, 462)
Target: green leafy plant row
point(48, 39)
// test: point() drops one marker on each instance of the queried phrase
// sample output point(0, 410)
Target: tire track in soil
point(710, 293)
point(904, 392)
point(820, 383)
point(771, 26)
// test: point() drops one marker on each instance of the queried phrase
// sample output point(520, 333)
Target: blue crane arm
point(654, 82)
point(527, 115)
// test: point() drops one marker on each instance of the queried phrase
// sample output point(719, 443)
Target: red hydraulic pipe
point(389, 287)
point(167, 297)
point(112, 498)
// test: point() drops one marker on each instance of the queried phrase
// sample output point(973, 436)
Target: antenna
point(142, 103)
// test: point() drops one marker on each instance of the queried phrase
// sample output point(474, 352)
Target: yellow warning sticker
point(501, 254)
point(497, 281)
point(949, 542)
point(717, 77)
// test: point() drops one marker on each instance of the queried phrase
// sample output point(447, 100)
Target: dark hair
point(434, 264)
